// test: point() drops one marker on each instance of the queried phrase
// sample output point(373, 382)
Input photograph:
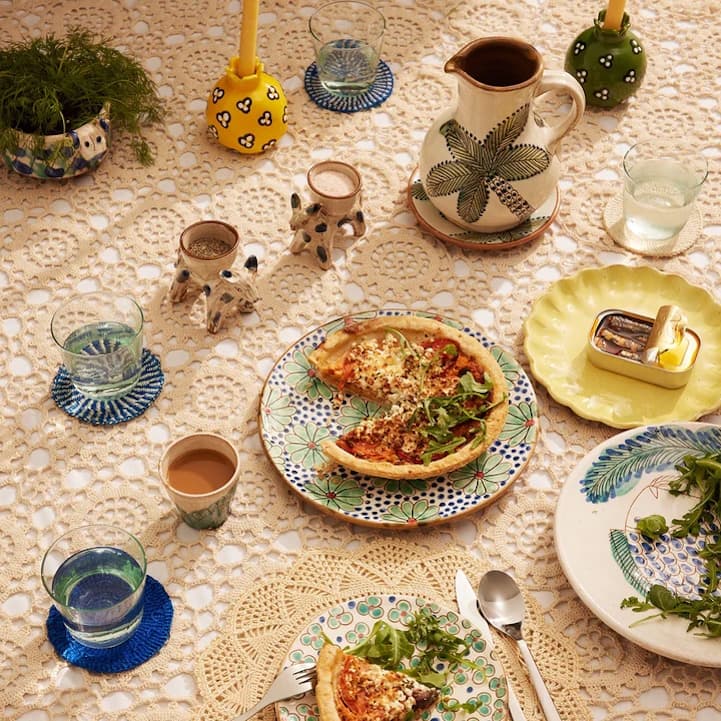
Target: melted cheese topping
point(367, 692)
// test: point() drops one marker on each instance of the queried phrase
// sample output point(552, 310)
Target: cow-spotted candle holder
point(335, 190)
point(206, 251)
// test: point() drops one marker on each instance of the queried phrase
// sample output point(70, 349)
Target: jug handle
point(559, 80)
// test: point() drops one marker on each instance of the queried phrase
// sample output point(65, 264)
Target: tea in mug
point(202, 470)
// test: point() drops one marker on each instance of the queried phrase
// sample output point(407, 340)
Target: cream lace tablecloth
point(239, 592)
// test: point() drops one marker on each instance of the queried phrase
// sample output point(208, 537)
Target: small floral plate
point(298, 410)
point(605, 557)
point(348, 623)
point(437, 224)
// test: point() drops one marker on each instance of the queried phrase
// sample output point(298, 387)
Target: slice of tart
point(350, 688)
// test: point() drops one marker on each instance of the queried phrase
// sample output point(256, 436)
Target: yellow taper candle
point(248, 37)
point(614, 15)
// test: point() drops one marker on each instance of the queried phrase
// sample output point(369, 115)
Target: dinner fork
point(291, 681)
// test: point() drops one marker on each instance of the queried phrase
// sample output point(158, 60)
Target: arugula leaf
point(652, 527)
point(697, 474)
point(422, 644)
point(441, 415)
point(385, 645)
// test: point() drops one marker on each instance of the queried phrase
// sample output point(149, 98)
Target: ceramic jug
point(490, 161)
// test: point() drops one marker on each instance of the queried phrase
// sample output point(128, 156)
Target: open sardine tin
point(657, 350)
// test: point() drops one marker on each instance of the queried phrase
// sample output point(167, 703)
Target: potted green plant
point(59, 97)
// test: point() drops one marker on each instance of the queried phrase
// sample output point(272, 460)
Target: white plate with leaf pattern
point(604, 556)
point(350, 622)
point(298, 410)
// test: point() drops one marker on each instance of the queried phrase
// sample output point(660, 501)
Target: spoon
point(502, 604)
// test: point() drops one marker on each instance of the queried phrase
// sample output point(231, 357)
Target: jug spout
point(497, 62)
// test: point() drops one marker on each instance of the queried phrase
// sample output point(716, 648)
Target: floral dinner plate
point(348, 623)
point(603, 554)
point(298, 410)
point(557, 330)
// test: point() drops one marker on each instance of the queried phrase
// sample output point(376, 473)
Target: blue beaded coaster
point(379, 91)
point(148, 639)
point(117, 410)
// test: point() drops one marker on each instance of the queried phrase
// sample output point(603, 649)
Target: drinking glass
point(347, 38)
point(100, 336)
point(660, 186)
point(95, 576)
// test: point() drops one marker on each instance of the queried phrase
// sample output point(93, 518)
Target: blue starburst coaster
point(379, 91)
point(148, 639)
point(116, 410)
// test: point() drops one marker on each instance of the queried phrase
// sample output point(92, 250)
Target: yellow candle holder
point(247, 113)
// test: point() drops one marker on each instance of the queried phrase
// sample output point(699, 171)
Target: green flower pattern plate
point(298, 410)
point(437, 224)
point(348, 623)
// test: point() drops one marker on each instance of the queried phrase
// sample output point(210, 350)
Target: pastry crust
point(330, 661)
point(329, 362)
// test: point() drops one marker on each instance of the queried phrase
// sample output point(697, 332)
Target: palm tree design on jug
point(480, 168)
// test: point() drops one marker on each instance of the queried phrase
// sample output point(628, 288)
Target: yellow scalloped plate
point(557, 329)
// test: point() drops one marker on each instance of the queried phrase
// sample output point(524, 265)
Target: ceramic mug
point(200, 474)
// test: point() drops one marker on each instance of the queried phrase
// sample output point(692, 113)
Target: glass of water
point(660, 186)
point(95, 576)
point(347, 38)
point(100, 336)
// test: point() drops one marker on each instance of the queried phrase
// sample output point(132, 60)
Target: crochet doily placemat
point(264, 620)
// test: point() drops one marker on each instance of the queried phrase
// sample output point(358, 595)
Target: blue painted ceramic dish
point(605, 557)
point(298, 410)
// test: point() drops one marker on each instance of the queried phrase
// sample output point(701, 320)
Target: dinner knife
point(468, 606)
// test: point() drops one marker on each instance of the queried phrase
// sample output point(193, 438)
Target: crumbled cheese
point(402, 374)
point(383, 695)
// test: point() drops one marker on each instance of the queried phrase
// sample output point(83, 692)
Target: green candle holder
point(609, 64)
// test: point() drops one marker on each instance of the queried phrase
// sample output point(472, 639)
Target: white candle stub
point(333, 183)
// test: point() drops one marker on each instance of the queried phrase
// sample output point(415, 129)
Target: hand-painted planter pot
point(64, 155)
point(609, 64)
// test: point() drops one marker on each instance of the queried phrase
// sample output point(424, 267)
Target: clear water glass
point(100, 337)
point(95, 576)
point(660, 186)
point(347, 38)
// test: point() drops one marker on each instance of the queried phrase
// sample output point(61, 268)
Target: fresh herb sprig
point(49, 85)
point(423, 640)
point(702, 613)
point(702, 475)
